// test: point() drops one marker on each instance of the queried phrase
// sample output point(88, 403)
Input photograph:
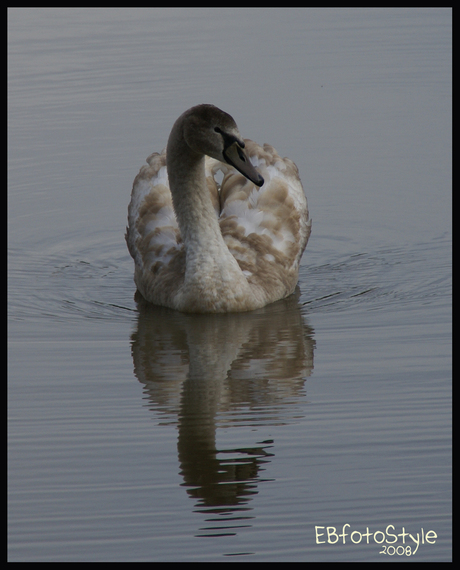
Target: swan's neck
point(192, 203)
point(212, 273)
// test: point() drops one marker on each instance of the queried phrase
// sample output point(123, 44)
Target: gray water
point(316, 429)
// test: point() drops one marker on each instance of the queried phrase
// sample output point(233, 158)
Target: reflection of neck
point(212, 349)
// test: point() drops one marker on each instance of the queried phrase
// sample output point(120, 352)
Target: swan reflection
point(204, 372)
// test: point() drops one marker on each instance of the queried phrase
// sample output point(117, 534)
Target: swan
point(207, 231)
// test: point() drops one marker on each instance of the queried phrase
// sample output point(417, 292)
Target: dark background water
point(136, 433)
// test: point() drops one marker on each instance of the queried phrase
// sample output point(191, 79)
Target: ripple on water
point(388, 278)
point(96, 282)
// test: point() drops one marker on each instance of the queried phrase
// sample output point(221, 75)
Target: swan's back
point(265, 229)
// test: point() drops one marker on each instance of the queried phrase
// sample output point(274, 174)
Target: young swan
point(203, 246)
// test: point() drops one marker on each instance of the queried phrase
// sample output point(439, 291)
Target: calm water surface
point(136, 433)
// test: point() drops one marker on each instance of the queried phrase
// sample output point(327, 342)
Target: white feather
point(265, 230)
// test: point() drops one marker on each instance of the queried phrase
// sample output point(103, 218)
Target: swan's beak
point(236, 157)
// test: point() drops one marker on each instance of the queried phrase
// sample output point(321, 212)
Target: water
point(139, 434)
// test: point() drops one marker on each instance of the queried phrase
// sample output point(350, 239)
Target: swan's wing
point(153, 235)
point(266, 229)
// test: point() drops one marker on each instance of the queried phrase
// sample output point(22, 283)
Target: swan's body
point(201, 246)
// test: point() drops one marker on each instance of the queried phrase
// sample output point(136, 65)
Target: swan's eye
point(217, 130)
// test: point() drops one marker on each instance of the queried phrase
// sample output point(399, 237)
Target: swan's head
point(208, 130)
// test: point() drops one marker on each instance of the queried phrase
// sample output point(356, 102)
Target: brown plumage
point(204, 246)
